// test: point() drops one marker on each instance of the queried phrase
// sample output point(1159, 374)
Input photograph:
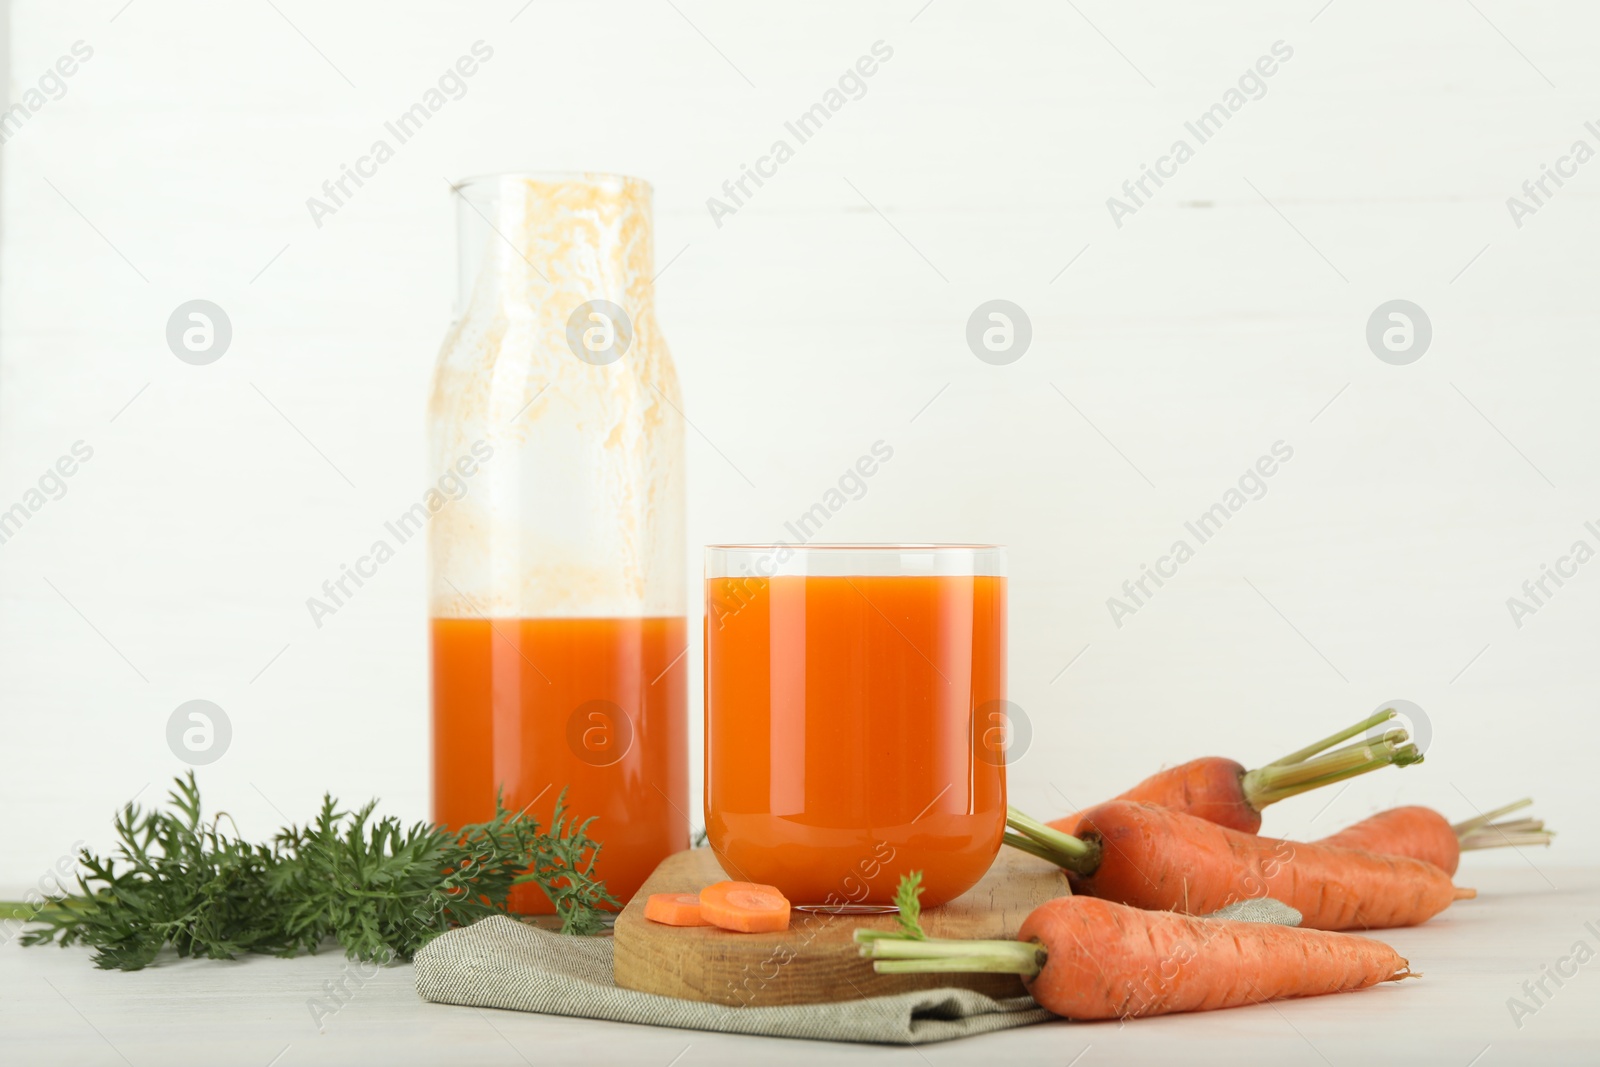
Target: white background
point(825, 315)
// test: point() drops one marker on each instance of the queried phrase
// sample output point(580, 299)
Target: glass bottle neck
point(529, 239)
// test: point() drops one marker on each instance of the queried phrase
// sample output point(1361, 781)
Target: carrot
point(674, 909)
point(1424, 834)
point(1418, 832)
point(1163, 860)
point(746, 907)
point(1222, 791)
point(1092, 959)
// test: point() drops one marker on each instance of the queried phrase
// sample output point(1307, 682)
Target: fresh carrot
point(1222, 791)
point(1163, 860)
point(1424, 834)
point(1418, 832)
point(1092, 959)
point(747, 907)
point(674, 909)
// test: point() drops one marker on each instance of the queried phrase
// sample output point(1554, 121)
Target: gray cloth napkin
point(1259, 910)
point(502, 963)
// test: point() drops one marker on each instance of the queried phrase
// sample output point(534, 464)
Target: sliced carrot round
point(674, 909)
point(746, 907)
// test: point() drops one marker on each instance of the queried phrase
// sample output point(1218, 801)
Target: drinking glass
point(851, 693)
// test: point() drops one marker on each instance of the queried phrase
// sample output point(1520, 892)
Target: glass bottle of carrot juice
point(557, 574)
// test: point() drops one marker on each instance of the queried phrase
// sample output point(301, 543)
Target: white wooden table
point(57, 1009)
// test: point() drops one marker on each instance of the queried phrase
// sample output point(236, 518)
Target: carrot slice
point(746, 907)
point(674, 909)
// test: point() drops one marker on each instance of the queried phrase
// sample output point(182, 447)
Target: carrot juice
point(595, 705)
point(845, 729)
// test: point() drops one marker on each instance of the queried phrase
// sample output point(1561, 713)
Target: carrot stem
point(877, 935)
point(892, 948)
point(1048, 843)
point(1482, 831)
point(1514, 826)
point(1396, 737)
point(1301, 755)
point(1329, 763)
point(960, 964)
point(1278, 781)
point(1466, 826)
point(1028, 845)
point(899, 956)
point(1512, 839)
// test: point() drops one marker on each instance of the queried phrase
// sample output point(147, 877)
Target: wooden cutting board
point(815, 960)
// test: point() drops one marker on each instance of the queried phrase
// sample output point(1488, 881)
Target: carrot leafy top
point(908, 898)
point(379, 888)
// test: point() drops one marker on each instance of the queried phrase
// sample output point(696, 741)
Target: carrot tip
point(1463, 893)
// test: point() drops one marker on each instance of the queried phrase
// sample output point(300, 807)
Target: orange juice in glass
point(851, 695)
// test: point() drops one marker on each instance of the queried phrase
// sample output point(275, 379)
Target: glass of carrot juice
point(850, 697)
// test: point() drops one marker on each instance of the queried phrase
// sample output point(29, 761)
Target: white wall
point(810, 324)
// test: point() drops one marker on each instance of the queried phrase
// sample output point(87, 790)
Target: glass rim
point(858, 558)
point(553, 177)
point(861, 546)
